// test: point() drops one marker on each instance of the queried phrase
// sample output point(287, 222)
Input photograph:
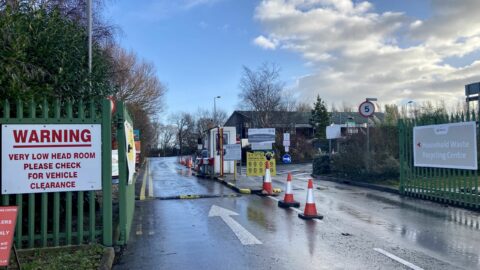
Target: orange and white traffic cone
point(288, 200)
point(267, 181)
point(310, 211)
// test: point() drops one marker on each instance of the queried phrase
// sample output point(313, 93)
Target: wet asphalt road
point(360, 230)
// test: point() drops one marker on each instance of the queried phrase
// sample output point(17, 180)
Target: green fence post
point(401, 128)
point(91, 193)
point(6, 115)
point(107, 173)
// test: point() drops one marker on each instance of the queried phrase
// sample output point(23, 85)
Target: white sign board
point(131, 153)
point(446, 146)
point(51, 158)
point(334, 132)
point(115, 163)
point(286, 139)
point(261, 146)
point(232, 152)
point(261, 135)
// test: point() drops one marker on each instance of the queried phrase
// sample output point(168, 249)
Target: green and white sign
point(451, 146)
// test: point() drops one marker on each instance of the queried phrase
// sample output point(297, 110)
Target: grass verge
point(73, 257)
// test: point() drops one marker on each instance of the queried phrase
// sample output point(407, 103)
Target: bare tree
point(261, 91)
point(185, 124)
point(303, 107)
point(166, 137)
point(136, 81)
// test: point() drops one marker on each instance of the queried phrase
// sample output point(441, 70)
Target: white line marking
point(144, 182)
point(398, 259)
point(301, 174)
point(245, 237)
point(150, 186)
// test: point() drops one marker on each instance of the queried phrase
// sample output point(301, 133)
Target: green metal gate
point(126, 202)
point(450, 186)
point(63, 218)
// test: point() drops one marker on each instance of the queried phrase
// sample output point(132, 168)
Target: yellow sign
point(256, 164)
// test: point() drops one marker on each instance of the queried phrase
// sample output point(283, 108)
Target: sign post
point(367, 109)
point(8, 219)
point(233, 152)
point(286, 141)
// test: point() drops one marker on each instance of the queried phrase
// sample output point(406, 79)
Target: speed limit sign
point(366, 109)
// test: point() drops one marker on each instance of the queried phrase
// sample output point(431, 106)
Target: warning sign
point(8, 219)
point(51, 158)
point(256, 164)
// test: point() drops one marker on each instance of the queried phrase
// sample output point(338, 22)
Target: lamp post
point(215, 110)
point(410, 102)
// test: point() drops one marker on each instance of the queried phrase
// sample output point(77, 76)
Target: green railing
point(450, 186)
point(63, 218)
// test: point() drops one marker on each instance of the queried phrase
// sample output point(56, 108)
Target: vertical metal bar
point(107, 173)
point(471, 183)
point(91, 194)
point(31, 197)
point(401, 131)
point(68, 207)
point(122, 169)
point(81, 115)
point(19, 197)
point(44, 209)
point(56, 195)
point(18, 230)
point(408, 151)
point(6, 115)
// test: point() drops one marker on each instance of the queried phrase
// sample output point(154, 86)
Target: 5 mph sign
point(366, 109)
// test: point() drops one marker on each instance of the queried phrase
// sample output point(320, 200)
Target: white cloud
point(355, 51)
point(265, 43)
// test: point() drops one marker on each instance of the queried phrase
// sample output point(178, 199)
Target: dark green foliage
point(320, 118)
point(44, 54)
point(321, 165)
point(351, 160)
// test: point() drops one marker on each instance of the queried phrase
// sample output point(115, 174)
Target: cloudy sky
point(342, 50)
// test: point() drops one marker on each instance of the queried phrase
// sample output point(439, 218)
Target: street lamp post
point(215, 110)
point(410, 102)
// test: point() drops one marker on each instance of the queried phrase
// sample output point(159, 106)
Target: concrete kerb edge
point(107, 259)
point(358, 184)
point(232, 186)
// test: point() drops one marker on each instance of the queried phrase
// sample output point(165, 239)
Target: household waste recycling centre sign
point(451, 146)
point(50, 158)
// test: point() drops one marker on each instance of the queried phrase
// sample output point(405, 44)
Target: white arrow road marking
point(245, 237)
point(398, 259)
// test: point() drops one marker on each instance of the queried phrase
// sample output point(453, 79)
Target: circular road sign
point(366, 109)
point(287, 159)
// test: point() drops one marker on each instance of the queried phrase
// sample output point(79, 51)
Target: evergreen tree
point(320, 118)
